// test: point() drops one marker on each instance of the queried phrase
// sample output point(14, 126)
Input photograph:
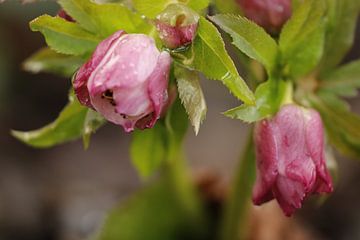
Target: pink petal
point(266, 159)
point(294, 159)
point(315, 145)
point(82, 76)
point(176, 36)
point(157, 87)
point(270, 14)
point(289, 194)
point(129, 62)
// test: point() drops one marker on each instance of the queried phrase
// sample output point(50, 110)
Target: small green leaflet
point(63, 36)
point(47, 60)
point(340, 34)
point(302, 39)
point(93, 121)
point(148, 149)
point(105, 19)
point(208, 56)
point(176, 123)
point(152, 148)
point(269, 96)
point(151, 8)
point(342, 126)
point(250, 38)
point(342, 81)
point(68, 126)
point(191, 95)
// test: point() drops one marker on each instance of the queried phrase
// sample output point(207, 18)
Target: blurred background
point(63, 193)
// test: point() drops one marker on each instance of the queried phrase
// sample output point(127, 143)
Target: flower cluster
point(126, 79)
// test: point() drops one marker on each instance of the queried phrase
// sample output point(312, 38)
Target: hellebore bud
point(290, 158)
point(177, 25)
point(270, 14)
point(125, 80)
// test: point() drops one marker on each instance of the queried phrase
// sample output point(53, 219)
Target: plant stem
point(289, 92)
point(236, 208)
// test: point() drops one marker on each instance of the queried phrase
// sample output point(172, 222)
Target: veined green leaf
point(191, 95)
point(302, 38)
point(268, 96)
point(63, 36)
point(68, 126)
point(47, 60)
point(250, 38)
point(208, 55)
point(105, 19)
point(340, 34)
point(342, 126)
point(342, 81)
point(148, 149)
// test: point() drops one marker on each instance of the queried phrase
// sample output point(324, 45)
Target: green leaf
point(342, 81)
point(68, 126)
point(155, 213)
point(227, 6)
point(151, 8)
point(191, 95)
point(47, 60)
point(269, 96)
point(152, 148)
point(148, 149)
point(208, 55)
point(105, 19)
point(93, 121)
point(63, 36)
point(342, 126)
point(333, 99)
point(249, 38)
point(340, 32)
point(198, 5)
point(302, 38)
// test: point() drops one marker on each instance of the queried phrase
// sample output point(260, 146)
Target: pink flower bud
point(177, 25)
point(270, 14)
point(65, 16)
point(125, 80)
point(290, 158)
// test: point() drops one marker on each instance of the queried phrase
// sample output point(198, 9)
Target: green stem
point(181, 186)
point(289, 92)
point(236, 208)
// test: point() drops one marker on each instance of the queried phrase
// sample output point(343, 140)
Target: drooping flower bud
point(125, 80)
point(65, 16)
point(290, 158)
point(177, 25)
point(270, 14)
